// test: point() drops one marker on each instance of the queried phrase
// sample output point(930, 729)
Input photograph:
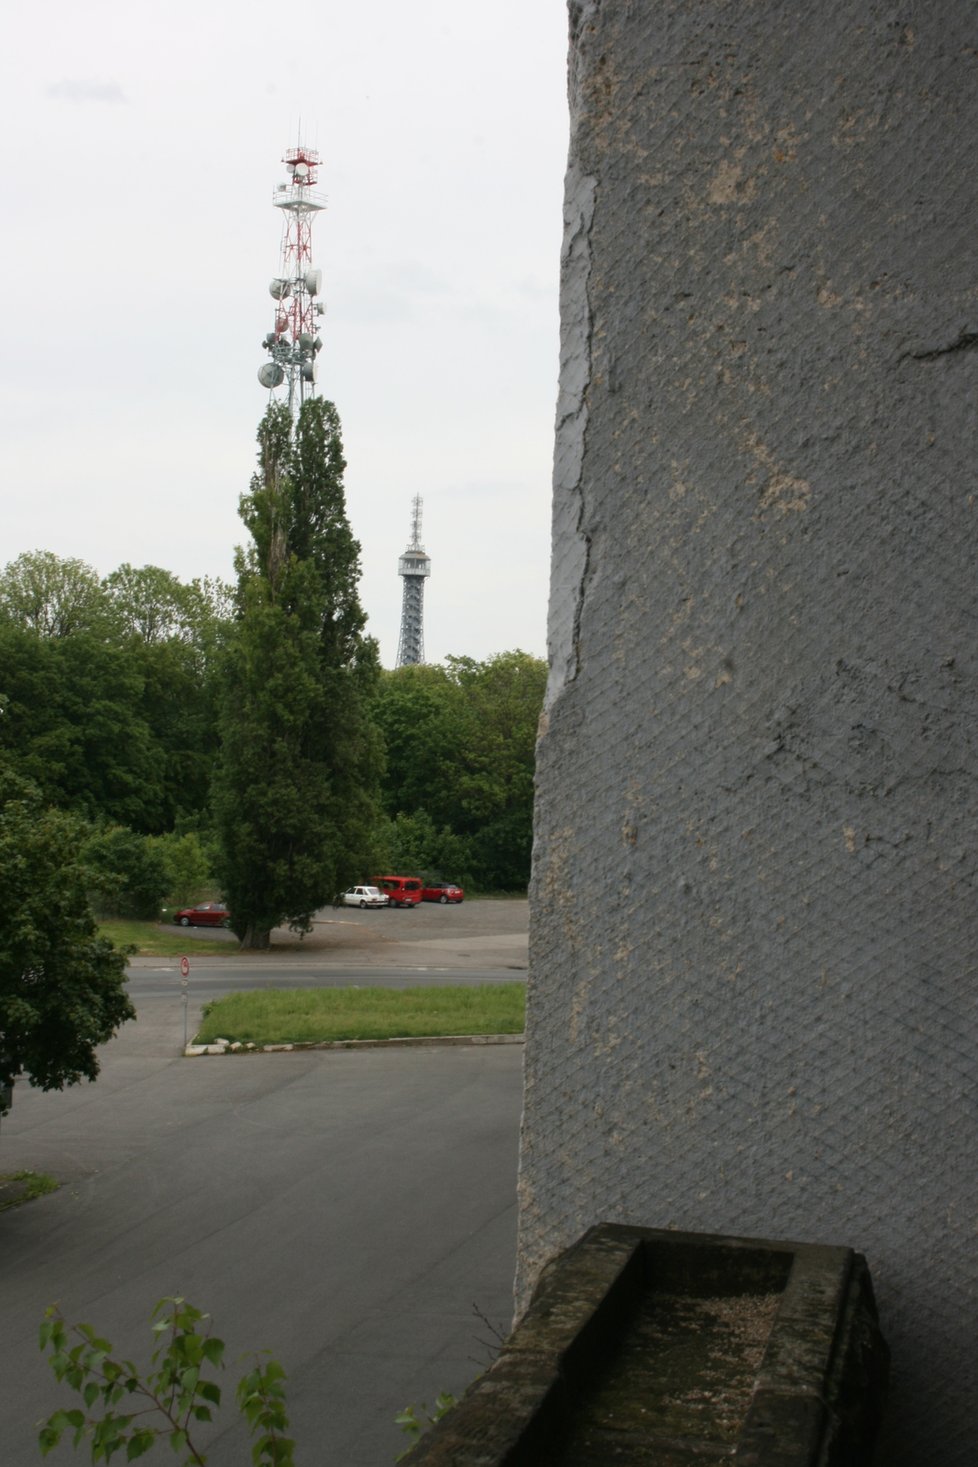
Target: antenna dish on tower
point(270, 375)
point(293, 344)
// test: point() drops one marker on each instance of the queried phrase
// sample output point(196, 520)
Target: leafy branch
point(168, 1399)
point(413, 1425)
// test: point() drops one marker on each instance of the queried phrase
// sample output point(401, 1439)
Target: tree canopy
point(460, 741)
point(106, 687)
point(297, 775)
point(62, 986)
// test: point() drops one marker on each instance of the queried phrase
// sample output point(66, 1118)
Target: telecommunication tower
point(413, 567)
point(293, 344)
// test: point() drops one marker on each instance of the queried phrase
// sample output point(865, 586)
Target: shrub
point(127, 873)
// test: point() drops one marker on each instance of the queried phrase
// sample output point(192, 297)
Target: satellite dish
point(279, 289)
point(309, 371)
point(314, 281)
point(271, 375)
point(302, 170)
point(305, 340)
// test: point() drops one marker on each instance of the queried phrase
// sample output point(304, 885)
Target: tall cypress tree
point(296, 789)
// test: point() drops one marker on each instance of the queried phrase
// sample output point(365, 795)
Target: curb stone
point(225, 1046)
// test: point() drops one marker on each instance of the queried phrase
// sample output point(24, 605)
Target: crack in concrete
point(572, 550)
point(965, 341)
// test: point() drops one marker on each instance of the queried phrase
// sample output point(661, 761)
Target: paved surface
point(346, 1211)
point(488, 934)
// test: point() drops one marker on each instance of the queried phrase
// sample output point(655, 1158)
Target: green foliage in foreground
point(413, 1425)
point(62, 985)
point(164, 1402)
point(316, 1015)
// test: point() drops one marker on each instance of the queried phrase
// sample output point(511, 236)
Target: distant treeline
point(109, 694)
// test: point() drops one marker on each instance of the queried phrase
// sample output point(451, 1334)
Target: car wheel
point(443, 899)
point(226, 922)
point(184, 921)
point(362, 905)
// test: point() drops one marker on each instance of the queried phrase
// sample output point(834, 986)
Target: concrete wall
point(753, 1003)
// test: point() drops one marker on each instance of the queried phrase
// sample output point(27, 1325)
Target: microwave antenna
point(294, 343)
point(413, 567)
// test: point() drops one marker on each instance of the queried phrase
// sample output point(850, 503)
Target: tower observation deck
point(413, 567)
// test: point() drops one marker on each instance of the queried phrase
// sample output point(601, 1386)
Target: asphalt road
point(210, 980)
point(352, 1212)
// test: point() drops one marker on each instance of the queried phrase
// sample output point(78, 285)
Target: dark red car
point(442, 891)
point(207, 914)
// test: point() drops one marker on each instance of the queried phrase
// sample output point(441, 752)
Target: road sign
point(185, 966)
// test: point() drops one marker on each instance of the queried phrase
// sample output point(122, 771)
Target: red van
point(402, 891)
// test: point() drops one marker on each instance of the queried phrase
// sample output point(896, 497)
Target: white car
point(365, 896)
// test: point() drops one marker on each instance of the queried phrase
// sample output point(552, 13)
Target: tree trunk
point(255, 938)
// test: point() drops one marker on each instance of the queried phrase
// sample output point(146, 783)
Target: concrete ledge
point(225, 1046)
point(649, 1347)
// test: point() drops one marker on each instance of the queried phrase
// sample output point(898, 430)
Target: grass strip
point(19, 1187)
point(154, 940)
point(316, 1015)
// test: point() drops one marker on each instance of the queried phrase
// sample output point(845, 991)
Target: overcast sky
point(141, 144)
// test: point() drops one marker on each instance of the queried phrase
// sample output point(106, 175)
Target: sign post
point(185, 985)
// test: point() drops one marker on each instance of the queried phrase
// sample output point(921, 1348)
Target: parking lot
point(480, 933)
point(353, 1213)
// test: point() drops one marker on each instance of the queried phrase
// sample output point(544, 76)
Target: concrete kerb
point(227, 1046)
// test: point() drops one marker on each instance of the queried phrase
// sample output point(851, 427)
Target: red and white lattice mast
point(293, 344)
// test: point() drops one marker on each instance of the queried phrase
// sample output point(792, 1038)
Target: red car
point(208, 914)
point(442, 891)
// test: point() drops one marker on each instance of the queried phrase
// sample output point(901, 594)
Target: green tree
point(107, 688)
point(151, 604)
point(172, 634)
point(188, 866)
point(413, 843)
point(53, 597)
point(71, 722)
point(296, 784)
point(129, 874)
point(460, 743)
point(62, 986)
point(417, 711)
point(166, 1402)
point(501, 700)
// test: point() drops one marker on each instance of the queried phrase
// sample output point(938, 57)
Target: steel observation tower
point(294, 343)
point(413, 567)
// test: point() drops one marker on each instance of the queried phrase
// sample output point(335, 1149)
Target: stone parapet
point(643, 1347)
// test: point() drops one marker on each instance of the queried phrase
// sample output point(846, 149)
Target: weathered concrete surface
point(758, 758)
point(655, 1347)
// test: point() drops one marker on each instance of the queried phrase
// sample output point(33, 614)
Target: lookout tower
point(413, 567)
point(294, 343)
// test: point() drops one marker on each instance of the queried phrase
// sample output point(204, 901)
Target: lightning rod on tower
point(293, 344)
point(413, 567)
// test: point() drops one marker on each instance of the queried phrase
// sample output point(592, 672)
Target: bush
point(189, 873)
point(127, 873)
point(415, 845)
